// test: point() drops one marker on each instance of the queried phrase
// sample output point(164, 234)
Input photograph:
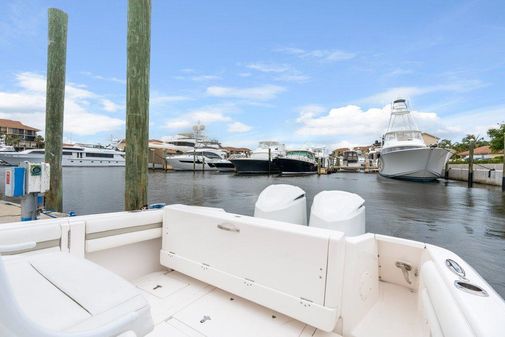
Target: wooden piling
point(55, 99)
point(269, 161)
point(470, 163)
point(503, 168)
point(137, 103)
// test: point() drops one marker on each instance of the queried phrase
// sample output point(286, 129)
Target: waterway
point(469, 222)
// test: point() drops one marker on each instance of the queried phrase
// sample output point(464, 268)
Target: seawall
point(489, 174)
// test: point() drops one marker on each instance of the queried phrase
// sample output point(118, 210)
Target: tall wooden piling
point(470, 163)
point(503, 168)
point(137, 103)
point(55, 101)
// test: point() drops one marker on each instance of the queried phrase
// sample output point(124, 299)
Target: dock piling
point(503, 168)
point(470, 163)
point(55, 101)
point(137, 103)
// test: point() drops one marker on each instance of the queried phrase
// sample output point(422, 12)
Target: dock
point(11, 212)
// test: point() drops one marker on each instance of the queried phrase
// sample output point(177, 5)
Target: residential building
point(429, 139)
point(480, 153)
point(24, 134)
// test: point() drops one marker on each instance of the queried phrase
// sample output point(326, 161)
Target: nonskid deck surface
point(184, 307)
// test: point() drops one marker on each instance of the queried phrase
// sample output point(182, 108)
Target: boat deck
point(184, 307)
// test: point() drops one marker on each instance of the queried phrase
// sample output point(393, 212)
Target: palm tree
point(12, 140)
point(39, 141)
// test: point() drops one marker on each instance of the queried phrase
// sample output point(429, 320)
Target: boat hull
point(289, 166)
point(186, 164)
point(254, 166)
point(418, 164)
point(14, 159)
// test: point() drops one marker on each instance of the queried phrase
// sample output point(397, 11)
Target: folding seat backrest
point(279, 265)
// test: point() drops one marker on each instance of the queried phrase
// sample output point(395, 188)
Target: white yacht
point(4, 147)
point(351, 161)
point(198, 271)
point(200, 159)
point(261, 159)
point(404, 154)
point(71, 156)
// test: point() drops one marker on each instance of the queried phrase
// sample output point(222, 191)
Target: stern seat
point(70, 296)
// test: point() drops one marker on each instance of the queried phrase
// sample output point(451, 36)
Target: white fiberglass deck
point(185, 307)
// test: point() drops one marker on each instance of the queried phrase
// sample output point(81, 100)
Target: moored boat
point(73, 156)
point(261, 159)
point(297, 162)
point(404, 155)
point(202, 159)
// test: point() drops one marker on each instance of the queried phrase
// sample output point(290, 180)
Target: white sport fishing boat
point(404, 155)
point(208, 159)
point(197, 271)
point(76, 155)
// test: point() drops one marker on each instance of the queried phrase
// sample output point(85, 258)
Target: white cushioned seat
point(61, 292)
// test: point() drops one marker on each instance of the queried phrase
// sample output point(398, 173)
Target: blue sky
point(301, 72)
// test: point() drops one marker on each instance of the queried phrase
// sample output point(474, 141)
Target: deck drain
point(205, 319)
point(157, 287)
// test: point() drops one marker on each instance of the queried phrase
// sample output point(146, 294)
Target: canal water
point(469, 222)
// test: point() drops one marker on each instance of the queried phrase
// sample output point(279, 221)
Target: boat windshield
point(306, 154)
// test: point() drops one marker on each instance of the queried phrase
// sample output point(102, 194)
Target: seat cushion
point(40, 300)
point(74, 294)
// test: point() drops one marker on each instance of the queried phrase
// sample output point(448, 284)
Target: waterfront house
point(17, 134)
point(429, 139)
point(480, 153)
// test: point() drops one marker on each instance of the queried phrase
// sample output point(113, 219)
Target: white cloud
point(356, 126)
point(104, 78)
point(110, 106)
point(238, 127)
point(389, 95)
point(205, 78)
point(261, 93)
point(157, 99)
point(28, 106)
point(205, 115)
point(269, 67)
point(293, 77)
point(326, 55)
point(244, 74)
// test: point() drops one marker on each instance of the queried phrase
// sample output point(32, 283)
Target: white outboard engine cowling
point(340, 211)
point(282, 203)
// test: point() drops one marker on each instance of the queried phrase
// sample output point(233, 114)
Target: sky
point(306, 73)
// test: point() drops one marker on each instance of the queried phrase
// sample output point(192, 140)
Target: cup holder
point(470, 288)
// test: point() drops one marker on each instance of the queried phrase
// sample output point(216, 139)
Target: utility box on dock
point(15, 182)
point(37, 177)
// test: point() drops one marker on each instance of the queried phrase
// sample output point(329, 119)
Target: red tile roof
point(8, 123)
point(481, 150)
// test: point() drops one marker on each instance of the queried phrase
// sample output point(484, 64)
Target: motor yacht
point(351, 161)
point(201, 159)
point(297, 162)
point(197, 271)
point(404, 155)
point(75, 155)
point(261, 159)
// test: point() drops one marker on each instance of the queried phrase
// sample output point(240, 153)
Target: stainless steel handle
point(405, 268)
point(228, 227)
